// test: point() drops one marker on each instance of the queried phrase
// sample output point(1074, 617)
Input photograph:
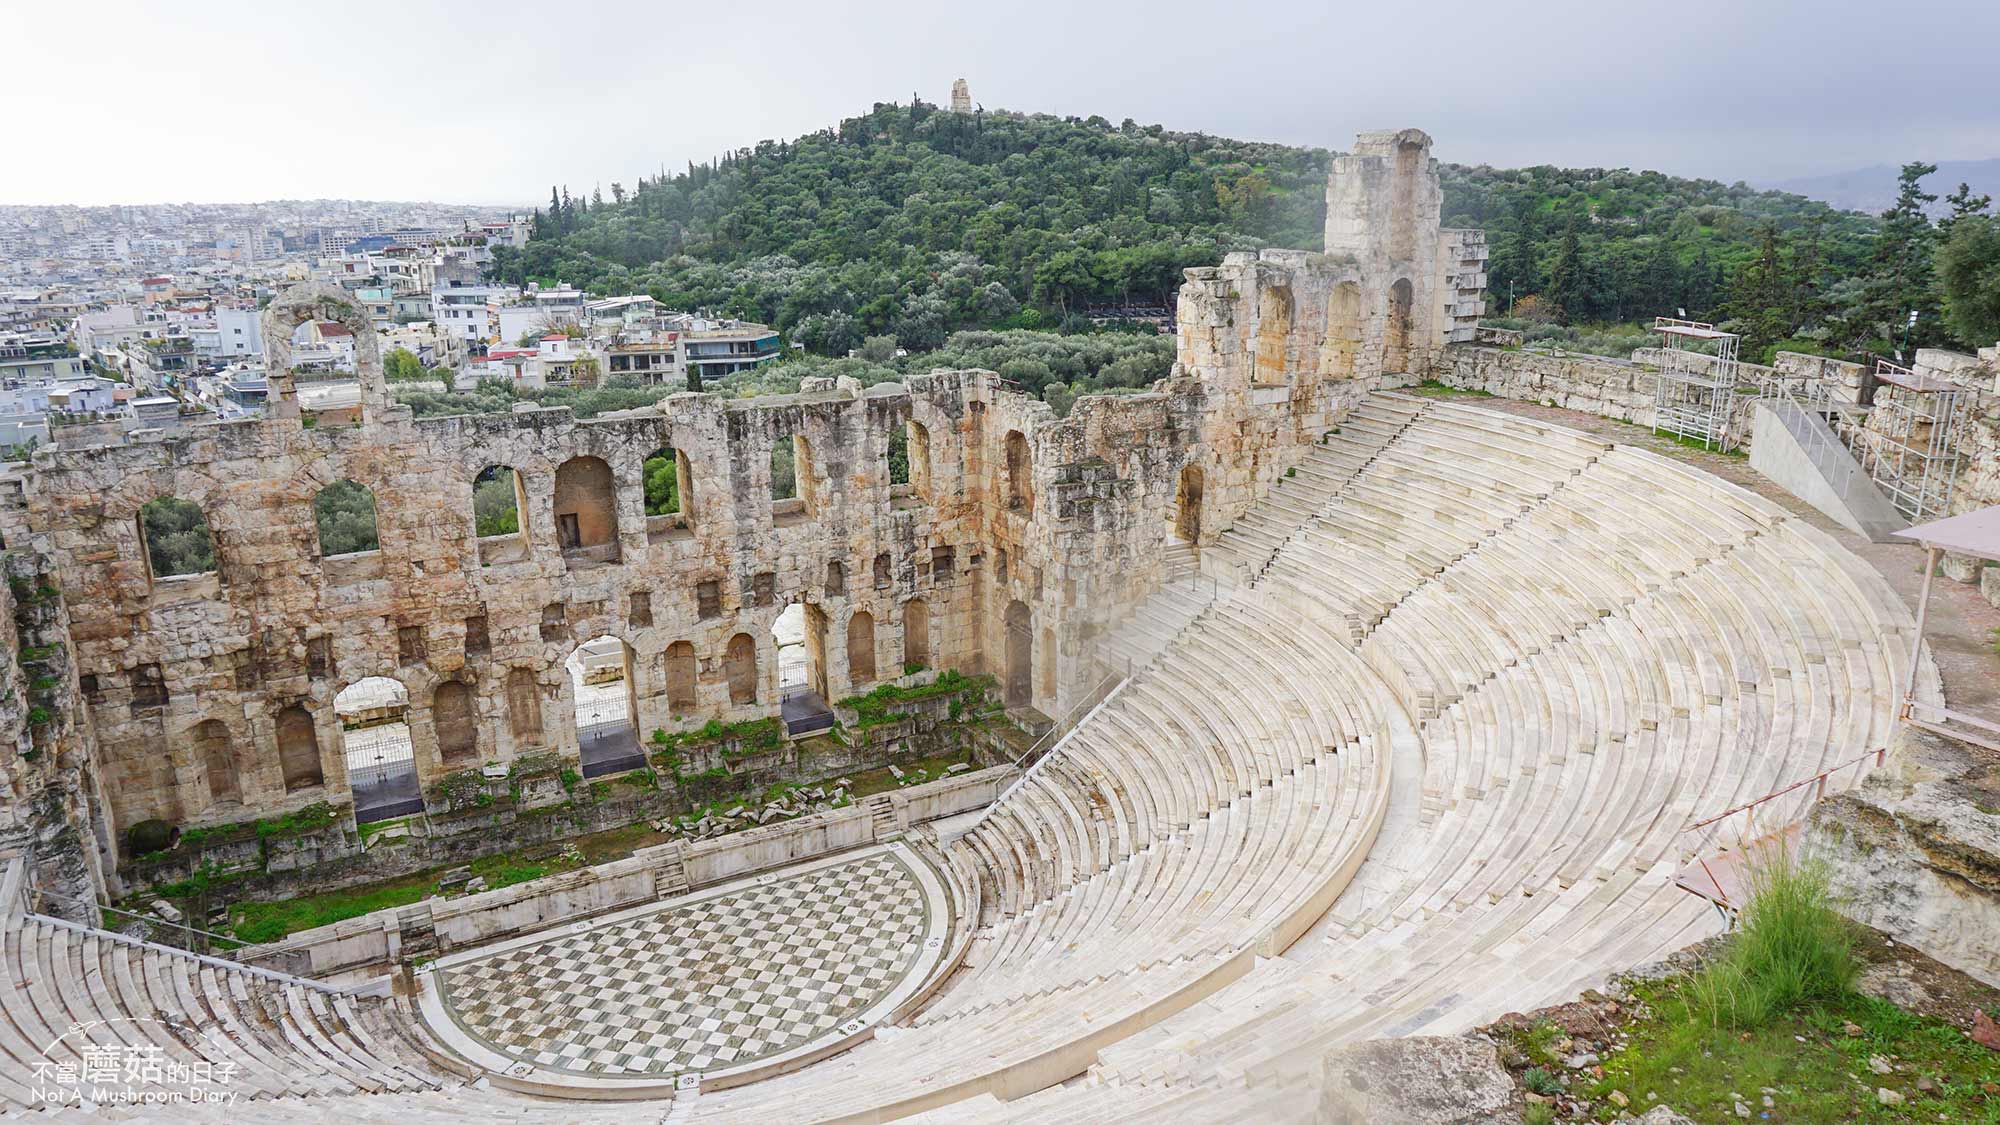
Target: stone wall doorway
point(374, 717)
point(607, 706)
point(800, 636)
point(1020, 655)
point(1187, 507)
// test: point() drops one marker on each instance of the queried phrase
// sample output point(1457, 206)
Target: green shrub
point(1791, 948)
point(1541, 1082)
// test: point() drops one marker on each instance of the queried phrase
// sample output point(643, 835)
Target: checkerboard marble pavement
point(708, 984)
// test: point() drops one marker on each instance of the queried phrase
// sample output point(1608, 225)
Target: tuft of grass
point(1791, 948)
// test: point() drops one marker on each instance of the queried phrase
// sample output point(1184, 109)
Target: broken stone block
point(167, 911)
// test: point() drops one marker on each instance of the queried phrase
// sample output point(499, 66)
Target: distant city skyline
point(241, 103)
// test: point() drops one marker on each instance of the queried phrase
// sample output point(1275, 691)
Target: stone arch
point(1343, 331)
point(318, 301)
point(739, 664)
point(455, 724)
point(344, 513)
point(524, 706)
point(174, 538)
point(298, 749)
point(916, 634)
point(1020, 474)
point(1187, 506)
point(1396, 332)
point(499, 511)
point(218, 761)
point(920, 459)
point(682, 670)
point(1020, 683)
point(604, 689)
point(377, 747)
point(1275, 309)
point(586, 510)
point(861, 648)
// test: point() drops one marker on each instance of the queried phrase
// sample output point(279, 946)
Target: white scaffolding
point(1694, 393)
point(1914, 452)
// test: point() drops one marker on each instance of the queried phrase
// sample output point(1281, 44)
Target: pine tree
point(1963, 203)
point(1900, 279)
point(1567, 286)
point(1760, 298)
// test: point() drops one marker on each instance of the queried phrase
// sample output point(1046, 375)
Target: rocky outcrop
point(1425, 1080)
point(1915, 851)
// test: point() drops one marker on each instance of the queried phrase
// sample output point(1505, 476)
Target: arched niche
point(586, 511)
point(1397, 329)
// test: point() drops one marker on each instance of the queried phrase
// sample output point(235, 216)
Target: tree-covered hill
point(915, 222)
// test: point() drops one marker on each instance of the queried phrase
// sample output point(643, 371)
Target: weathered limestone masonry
point(1623, 389)
point(1277, 340)
point(49, 794)
point(1018, 540)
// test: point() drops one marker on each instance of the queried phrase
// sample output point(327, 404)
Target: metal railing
point(1806, 800)
point(1836, 464)
point(221, 963)
point(198, 940)
point(1044, 749)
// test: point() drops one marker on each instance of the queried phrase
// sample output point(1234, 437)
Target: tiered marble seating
point(1643, 646)
point(1476, 675)
point(1243, 550)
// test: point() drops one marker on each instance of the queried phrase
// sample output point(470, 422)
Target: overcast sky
point(491, 102)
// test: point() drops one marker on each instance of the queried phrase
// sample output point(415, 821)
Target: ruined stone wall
point(1019, 539)
point(49, 793)
point(278, 624)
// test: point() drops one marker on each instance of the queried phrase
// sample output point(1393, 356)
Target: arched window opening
point(804, 479)
point(1020, 482)
point(345, 513)
point(524, 707)
point(586, 511)
point(1020, 655)
point(607, 706)
point(899, 457)
point(682, 670)
point(456, 724)
point(298, 749)
point(1274, 333)
point(884, 571)
point(218, 762)
point(739, 663)
point(800, 640)
point(1187, 506)
point(860, 650)
point(498, 501)
point(1396, 334)
point(919, 460)
point(176, 538)
point(374, 716)
point(1343, 331)
point(784, 477)
point(836, 578)
point(664, 477)
point(916, 635)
